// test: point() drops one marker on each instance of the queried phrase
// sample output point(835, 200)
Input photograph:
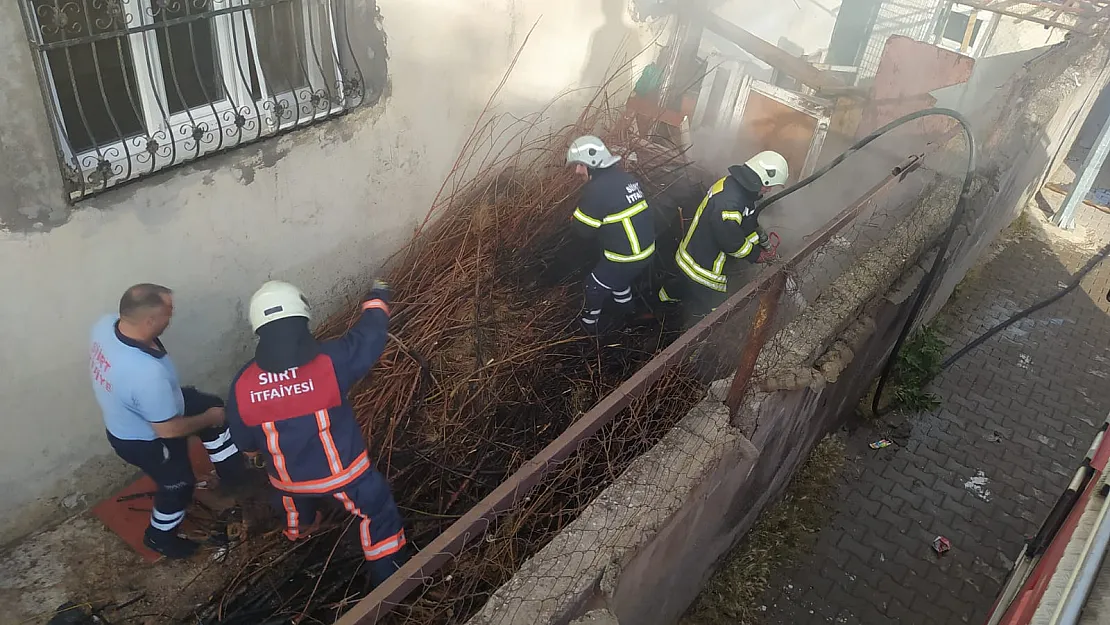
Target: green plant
point(782, 534)
point(1021, 227)
point(918, 363)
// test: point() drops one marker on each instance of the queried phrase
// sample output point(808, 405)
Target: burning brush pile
point(482, 370)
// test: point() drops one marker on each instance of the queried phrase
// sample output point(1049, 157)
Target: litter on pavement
point(941, 545)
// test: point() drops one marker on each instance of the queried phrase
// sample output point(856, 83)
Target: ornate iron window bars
point(133, 87)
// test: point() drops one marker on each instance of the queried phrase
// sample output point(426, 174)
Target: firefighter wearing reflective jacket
point(612, 210)
point(725, 226)
point(290, 401)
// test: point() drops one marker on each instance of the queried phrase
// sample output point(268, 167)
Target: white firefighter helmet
point(591, 152)
point(276, 300)
point(771, 168)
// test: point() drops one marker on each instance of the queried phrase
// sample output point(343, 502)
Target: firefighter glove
point(379, 290)
point(770, 244)
point(768, 240)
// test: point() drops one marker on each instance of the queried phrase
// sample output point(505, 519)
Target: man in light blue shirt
point(149, 417)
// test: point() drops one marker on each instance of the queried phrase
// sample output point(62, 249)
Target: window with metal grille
point(133, 87)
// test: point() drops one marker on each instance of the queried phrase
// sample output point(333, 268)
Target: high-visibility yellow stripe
point(714, 190)
point(692, 272)
point(627, 213)
point(586, 219)
point(633, 240)
point(683, 256)
point(621, 258)
point(736, 216)
point(749, 244)
point(664, 296)
point(684, 259)
point(624, 218)
point(719, 264)
point(710, 279)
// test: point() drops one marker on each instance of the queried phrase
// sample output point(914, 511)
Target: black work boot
point(377, 571)
point(624, 309)
point(253, 481)
point(591, 324)
point(169, 544)
point(232, 472)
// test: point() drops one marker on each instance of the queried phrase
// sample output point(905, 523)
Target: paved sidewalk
point(984, 469)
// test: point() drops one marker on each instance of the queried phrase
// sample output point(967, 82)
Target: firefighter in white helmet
point(613, 210)
point(724, 227)
point(291, 402)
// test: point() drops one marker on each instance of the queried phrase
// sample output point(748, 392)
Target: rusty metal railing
point(474, 524)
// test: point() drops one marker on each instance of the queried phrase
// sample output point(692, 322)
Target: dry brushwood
point(481, 372)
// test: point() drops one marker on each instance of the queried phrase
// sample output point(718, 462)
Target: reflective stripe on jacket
point(613, 210)
point(724, 226)
point(301, 417)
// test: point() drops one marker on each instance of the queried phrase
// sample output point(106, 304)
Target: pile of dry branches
point(482, 370)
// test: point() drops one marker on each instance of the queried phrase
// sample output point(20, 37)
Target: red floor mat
point(129, 518)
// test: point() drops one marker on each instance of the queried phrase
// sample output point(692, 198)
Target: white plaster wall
point(1014, 35)
point(322, 207)
point(805, 25)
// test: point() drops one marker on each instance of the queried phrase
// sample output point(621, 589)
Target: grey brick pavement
point(983, 469)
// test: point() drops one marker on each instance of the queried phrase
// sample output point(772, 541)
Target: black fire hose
point(946, 240)
point(1048, 301)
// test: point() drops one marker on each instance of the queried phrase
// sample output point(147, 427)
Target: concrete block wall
point(644, 548)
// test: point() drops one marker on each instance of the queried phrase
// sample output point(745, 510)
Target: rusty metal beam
point(765, 51)
point(758, 334)
point(473, 525)
point(1069, 6)
point(1065, 7)
point(1056, 14)
point(986, 6)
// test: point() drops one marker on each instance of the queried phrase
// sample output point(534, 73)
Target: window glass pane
point(190, 65)
point(280, 29)
point(320, 52)
point(252, 67)
point(94, 82)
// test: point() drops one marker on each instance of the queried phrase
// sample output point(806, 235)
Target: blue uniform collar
point(160, 352)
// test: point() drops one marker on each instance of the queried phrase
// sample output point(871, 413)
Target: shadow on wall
point(612, 45)
point(1015, 157)
point(1095, 120)
point(998, 199)
point(371, 37)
